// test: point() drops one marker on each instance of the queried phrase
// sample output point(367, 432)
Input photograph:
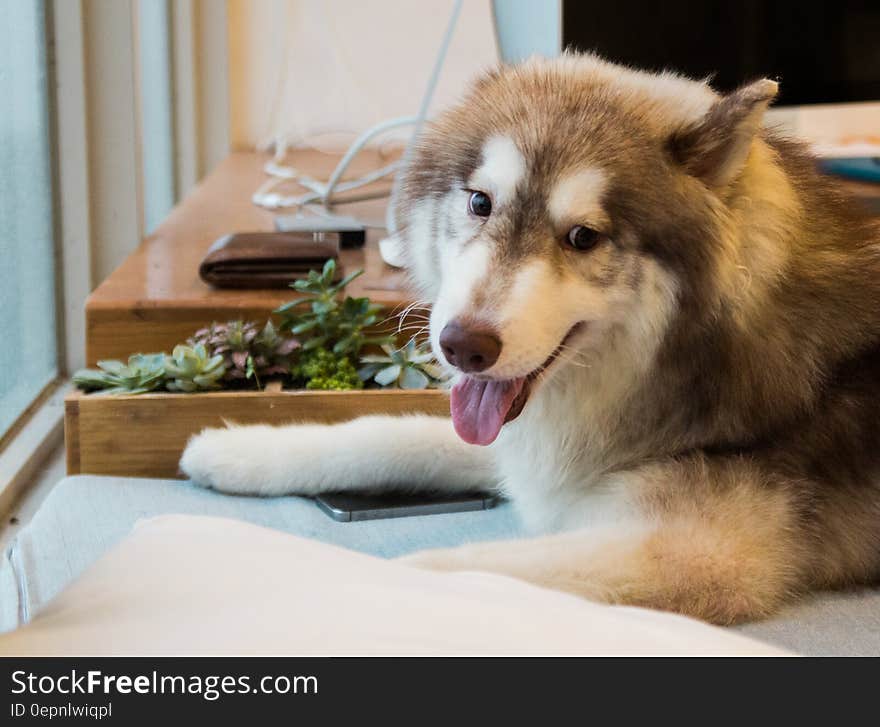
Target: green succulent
point(409, 367)
point(316, 346)
point(190, 368)
point(322, 369)
point(322, 319)
point(144, 372)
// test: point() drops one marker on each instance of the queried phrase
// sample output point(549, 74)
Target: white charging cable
point(322, 192)
point(391, 246)
point(390, 224)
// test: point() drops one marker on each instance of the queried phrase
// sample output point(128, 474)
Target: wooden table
point(156, 299)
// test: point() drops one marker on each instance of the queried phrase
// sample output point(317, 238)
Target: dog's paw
point(228, 460)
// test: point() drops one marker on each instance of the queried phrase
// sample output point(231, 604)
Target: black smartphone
point(351, 507)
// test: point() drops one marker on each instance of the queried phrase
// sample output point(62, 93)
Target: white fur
point(502, 170)
point(576, 200)
point(464, 270)
point(420, 242)
point(418, 453)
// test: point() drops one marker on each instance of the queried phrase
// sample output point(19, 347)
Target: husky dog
point(665, 327)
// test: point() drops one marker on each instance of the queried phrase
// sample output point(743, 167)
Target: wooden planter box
point(144, 435)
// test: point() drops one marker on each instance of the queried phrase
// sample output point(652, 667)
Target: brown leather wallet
point(267, 259)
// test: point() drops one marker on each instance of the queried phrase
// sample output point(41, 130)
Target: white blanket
point(200, 585)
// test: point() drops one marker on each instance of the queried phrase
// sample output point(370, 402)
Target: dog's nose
point(469, 348)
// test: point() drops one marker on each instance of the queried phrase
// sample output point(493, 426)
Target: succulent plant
point(321, 320)
point(190, 368)
point(315, 347)
point(319, 368)
point(143, 373)
point(247, 350)
point(410, 367)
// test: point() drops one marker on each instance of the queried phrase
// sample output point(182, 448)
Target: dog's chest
point(551, 462)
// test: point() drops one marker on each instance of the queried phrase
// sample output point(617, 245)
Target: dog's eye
point(479, 204)
point(583, 238)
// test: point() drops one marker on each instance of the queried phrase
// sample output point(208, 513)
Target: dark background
point(821, 52)
point(457, 691)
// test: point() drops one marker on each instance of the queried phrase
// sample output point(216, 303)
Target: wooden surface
point(156, 298)
point(144, 435)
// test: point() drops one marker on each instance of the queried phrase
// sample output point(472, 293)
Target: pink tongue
point(480, 407)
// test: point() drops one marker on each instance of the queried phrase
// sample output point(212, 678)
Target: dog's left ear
point(715, 148)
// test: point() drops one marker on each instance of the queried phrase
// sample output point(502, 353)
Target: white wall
point(827, 125)
point(304, 67)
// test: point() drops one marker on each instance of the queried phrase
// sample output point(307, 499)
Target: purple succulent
point(271, 353)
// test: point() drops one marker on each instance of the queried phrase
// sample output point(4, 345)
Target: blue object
point(864, 168)
point(526, 27)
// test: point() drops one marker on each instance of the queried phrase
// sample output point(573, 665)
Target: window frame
point(38, 430)
point(95, 141)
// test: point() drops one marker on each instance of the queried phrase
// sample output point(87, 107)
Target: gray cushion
point(84, 516)
point(844, 623)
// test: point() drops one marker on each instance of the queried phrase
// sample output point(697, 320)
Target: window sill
point(35, 439)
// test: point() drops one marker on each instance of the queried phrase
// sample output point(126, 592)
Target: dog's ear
point(715, 148)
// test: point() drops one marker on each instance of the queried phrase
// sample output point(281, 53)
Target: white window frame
point(99, 203)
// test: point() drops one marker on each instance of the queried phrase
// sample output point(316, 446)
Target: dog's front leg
point(414, 453)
